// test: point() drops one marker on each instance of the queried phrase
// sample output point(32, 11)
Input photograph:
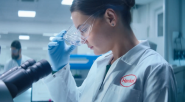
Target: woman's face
point(100, 38)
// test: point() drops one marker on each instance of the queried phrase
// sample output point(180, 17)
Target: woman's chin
point(98, 52)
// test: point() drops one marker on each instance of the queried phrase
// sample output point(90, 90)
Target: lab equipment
point(19, 79)
point(78, 36)
point(82, 62)
point(179, 75)
point(24, 66)
point(80, 66)
point(59, 52)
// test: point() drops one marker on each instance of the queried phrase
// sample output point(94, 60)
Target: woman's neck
point(124, 42)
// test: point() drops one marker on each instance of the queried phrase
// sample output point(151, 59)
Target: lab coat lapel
point(130, 58)
point(114, 69)
point(113, 74)
point(101, 68)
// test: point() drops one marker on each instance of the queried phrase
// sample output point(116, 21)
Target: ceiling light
point(67, 2)
point(47, 34)
point(50, 34)
point(26, 13)
point(51, 38)
point(55, 34)
point(71, 17)
point(24, 37)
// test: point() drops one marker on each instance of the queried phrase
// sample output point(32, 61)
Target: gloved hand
point(59, 52)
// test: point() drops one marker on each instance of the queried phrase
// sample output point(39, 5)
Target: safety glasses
point(14, 51)
point(78, 36)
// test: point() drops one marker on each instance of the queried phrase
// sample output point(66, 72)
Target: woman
point(132, 72)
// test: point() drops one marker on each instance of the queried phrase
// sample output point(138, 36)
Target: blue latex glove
point(59, 52)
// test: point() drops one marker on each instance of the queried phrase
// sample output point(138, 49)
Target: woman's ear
point(111, 17)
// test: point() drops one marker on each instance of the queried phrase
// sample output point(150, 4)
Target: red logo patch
point(128, 80)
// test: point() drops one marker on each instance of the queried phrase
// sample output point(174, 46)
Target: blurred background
point(159, 21)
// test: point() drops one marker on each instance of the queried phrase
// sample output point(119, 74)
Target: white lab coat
point(12, 63)
point(141, 75)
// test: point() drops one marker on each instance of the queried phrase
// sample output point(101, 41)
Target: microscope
point(19, 79)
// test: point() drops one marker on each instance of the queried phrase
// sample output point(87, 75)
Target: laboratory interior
point(35, 23)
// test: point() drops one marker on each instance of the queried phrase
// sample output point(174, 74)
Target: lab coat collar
point(108, 54)
point(132, 55)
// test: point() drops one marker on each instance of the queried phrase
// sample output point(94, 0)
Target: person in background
point(17, 58)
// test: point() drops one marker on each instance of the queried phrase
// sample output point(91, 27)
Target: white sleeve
point(7, 66)
point(62, 86)
point(160, 85)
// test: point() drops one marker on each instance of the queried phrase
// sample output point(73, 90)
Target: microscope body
point(19, 79)
point(5, 95)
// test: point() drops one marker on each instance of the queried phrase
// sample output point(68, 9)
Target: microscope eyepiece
point(25, 65)
point(28, 63)
point(22, 78)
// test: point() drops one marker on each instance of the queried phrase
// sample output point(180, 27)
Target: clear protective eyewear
point(78, 36)
point(14, 51)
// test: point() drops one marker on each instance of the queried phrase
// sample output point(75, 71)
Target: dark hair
point(90, 7)
point(16, 44)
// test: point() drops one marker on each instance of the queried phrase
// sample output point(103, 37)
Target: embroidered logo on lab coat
point(128, 80)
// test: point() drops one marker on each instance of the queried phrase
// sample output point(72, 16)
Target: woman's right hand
point(59, 52)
